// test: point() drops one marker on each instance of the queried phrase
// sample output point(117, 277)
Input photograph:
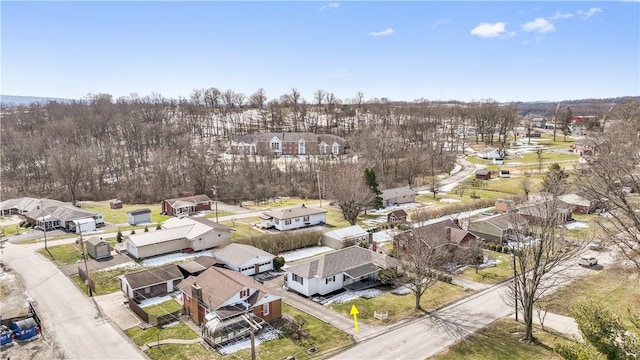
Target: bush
point(133, 231)
point(278, 243)
point(499, 248)
point(158, 227)
point(492, 247)
point(119, 236)
point(146, 229)
point(278, 262)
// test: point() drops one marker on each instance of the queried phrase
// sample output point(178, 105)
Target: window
point(275, 146)
point(305, 219)
point(297, 278)
point(297, 219)
point(147, 290)
point(241, 148)
point(252, 148)
point(265, 309)
point(330, 279)
point(335, 149)
point(244, 293)
point(287, 222)
point(301, 147)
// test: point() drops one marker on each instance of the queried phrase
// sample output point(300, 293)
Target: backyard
point(494, 274)
point(119, 216)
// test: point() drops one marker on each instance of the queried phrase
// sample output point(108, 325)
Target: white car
point(588, 261)
point(595, 245)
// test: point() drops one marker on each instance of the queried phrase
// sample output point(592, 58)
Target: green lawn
point(401, 307)
point(492, 275)
point(178, 331)
point(164, 308)
point(212, 215)
point(118, 216)
point(106, 281)
point(63, 254)
point(286, 201)
point(183, 352)
point(618, 290)
point(335, 218)
point(243, 227)
point(500, 340)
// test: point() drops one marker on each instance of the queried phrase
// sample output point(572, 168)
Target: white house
point(345, 237)
point(178, 234)
point(83, 225)
point(489, 153)
point(289, 219)
point(350, 267)
point(139, 216)
point(150, 283)
point(243, 258)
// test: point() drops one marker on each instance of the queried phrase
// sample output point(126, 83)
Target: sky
point(436, 50)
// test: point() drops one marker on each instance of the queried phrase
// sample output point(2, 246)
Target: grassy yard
point(212, 214)
point(401, 307)
point(118, 216)
point(618, 290)
point(243, 228)
point(335, 219)
point(280, 202)
point(182, 352)
point(106, 281)
point(493, 275)
point(501, 340)
point(63, 254)
point(178, 331)
point(164, 308)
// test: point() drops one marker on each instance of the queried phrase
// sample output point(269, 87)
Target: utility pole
point(86, 268)
point(319, 192)
point(215, 194)
point(44, 228)
point(254, 326)
point(515, 283)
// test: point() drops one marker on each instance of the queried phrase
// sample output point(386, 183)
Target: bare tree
point(258, 98)
point(72, 165)
point(349, 190)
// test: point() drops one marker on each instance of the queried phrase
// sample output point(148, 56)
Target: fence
point(83, 275)
point(151, 319)
point(381, 315)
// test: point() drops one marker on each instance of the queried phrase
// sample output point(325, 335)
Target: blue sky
point(507, 51)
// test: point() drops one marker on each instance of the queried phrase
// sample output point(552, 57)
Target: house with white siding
point(243, 258)
point(323, 274)
point(345, 237)
point(290, 219)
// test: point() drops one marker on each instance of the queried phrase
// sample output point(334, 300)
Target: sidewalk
point(565, 325)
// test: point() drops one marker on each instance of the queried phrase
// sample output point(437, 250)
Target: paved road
point(442, 328)
point(70, 317)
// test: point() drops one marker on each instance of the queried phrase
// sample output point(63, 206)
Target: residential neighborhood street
point(70, 317)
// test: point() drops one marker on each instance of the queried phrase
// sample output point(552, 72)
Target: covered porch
point(361, 277)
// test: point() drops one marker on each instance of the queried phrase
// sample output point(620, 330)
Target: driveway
point(113, 305)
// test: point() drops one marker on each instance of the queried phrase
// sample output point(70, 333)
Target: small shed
point(25, 329)
point(139, 216)
point(483, 174)
point(98, 248)
point(504, 174)
point(116, 204)
point(397, 216)
point(83, 225)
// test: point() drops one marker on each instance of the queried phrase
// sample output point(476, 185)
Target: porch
point(361, 277)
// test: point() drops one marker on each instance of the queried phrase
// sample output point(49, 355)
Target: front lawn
point(244, 228)
point(616, 289)
point(492, 275)
point(164, 308)
point(106, 281)
point(63, 254)
point(501, 340)
point(182, 352)
point(400, 307)
point(119, 216)
point(212, 214)
point(178, 331)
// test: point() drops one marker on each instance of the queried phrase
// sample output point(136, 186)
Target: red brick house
point(228, 294)
point(584, 147)
point(448, 230)
point(185, 205)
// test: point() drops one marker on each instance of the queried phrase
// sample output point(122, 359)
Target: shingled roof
point(338, 261)
point(145, 278)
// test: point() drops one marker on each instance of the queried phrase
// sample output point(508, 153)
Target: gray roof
point(139, 212)
point(153, 276)
point(504, 221)
point(337, 262)
point(290, 137)
point(397, 192)
point(483, 172)
point(188, 201)
point(585, 142)
point(239, 254)
point(95, 240)
point(191, 267)
point(346, 233)
point(294, 213)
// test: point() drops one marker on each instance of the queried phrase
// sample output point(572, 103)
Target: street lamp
point(215, 194)
point(515, 283)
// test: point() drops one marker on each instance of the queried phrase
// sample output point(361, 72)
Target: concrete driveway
point(113, 306)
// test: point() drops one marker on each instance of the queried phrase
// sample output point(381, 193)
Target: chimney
point(448, 234)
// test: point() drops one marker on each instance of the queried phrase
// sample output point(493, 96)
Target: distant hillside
point(8, 100)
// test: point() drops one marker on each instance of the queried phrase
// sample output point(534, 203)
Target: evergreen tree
point(556, 181)
point(119, 236)
point(372, 182)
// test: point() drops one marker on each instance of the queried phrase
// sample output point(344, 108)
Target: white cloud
point(438, 23)
point(333, 5)
point(385, 32)
point(487, 30)
point(540, 25)
point(559, 15)
point(589, 13)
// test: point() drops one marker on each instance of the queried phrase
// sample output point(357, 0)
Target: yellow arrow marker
point(354, 311)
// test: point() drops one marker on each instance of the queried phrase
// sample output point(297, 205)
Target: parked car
point(595, 245)
point(588, 261)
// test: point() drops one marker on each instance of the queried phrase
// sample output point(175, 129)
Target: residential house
point(290, 219)
point(98, 248)
point(490, 154)
point(397, 216)
point(499, 228)
point(352, 267)
point(345, 237)
point(47, 213)
point(151, 283)
point(581, 202)
point(584, 146)
point(541, 212)
point(447, 229)
point(289, 144)
point(198, 265)
point(483, 174)
point(186, 205)
point(504, 205)
point(243, 258)
point(178, 234)
point(139, 216)
point(397, 196)
point(227, 294)
point(539, 122)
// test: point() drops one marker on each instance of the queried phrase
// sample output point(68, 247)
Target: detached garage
point(150, 244)
point(83, 225)
point(139, 216)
